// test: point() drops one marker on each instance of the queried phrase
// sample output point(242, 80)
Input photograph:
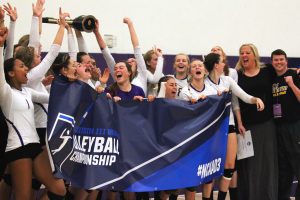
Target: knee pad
point(228, 173)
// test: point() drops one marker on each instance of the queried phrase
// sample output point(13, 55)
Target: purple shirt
point(135, 91)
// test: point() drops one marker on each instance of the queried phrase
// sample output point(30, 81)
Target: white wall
point(189, 26)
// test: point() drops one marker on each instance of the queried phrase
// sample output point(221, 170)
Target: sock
point(222, 195)
point(233, 193)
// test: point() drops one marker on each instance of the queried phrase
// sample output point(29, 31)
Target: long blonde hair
point(239, 66)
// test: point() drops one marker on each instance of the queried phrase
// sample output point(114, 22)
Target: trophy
point(82, 23)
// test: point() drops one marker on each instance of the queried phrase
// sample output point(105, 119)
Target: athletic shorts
point(42, 135)
point(231, 129)
point(30, 150)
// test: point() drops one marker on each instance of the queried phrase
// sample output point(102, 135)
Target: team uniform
point(286, 109)
point(143, 75)
point(227, 83)
point(189, 92)
point(35, 77)
point(17, 106)
point(181, 83)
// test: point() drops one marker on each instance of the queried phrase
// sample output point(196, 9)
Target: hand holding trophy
point(84, 23)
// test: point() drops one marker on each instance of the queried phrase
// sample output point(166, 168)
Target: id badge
point(277, 110)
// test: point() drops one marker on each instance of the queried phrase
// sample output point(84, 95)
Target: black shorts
point(30, 150)
point(231, 129)
point(42, 135)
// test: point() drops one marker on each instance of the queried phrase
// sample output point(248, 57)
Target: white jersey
point(181, 83)
point(189, 92)
point(227, 83)
point(18, 109)
point(35, 77)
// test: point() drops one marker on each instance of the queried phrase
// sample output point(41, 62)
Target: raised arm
point(81, 42)
point(71, 42)
point(12, 13)
point(41, 3)
point(2, 15)
point(141, 65)
point(5, 90)
point(133, 35)
point(37, 73)
point(34, 36)
point(110, 61)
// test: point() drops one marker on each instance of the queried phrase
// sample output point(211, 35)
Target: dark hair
point(114, 87)
point(61, 61)
point(278, 52)
point(26, 55)
point(163, 79)
point(80, 55)
point(8, 66)
point(210, 60)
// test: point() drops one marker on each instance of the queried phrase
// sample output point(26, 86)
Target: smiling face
point(181, 63)
point(171, 88)
point(197, 70)
point(279, 63)
point(121, 73)
point(247, 57)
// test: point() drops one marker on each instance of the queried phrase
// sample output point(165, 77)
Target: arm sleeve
point(238, 91)
point(39, 97)
point(5, 90)
point(71, 46)
point(37, 73)
point(235, 103)
point(10, 41)
point(154, 78)
point(110, 61)
point(141, 65)
point(81, 44)
point(233, 74)
point(34, 37)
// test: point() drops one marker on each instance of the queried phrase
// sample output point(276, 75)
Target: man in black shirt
point(286, 111)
